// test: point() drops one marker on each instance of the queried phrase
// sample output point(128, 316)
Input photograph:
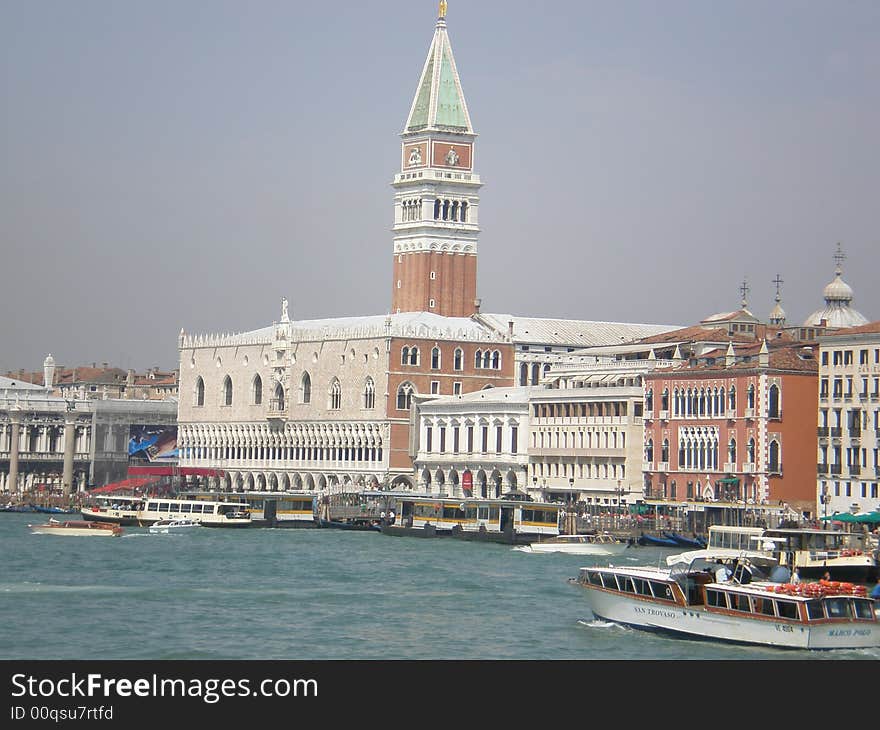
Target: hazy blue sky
point(187, 164)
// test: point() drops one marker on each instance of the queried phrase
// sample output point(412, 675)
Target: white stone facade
point(483, 434)
point(849, 421)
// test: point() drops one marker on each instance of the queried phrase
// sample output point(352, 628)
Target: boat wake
point(523, 549)
point(598, 623)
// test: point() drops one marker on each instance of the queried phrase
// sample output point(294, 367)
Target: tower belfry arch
point(436, 193)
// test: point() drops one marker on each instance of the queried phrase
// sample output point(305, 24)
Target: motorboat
point(600, 543)
point(77, 528)
point(173, 525)
point(740, 605)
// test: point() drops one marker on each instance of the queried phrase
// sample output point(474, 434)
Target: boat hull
point(599, 550)
point(78, 531)
point(696, 622)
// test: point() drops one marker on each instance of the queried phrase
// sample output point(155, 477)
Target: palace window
point(227, 391)
point(369, 394)
point(258, 390)
point(435, 358)
point(458, 359)
point(200, 392)
point(335, 395)
point(404, 396)
point(305, 389)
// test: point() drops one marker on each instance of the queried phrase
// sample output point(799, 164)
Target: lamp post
point(825, 498)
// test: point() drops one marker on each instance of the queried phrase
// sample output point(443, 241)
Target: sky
point(168, 165)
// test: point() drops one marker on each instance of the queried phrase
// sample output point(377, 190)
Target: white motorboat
point(175, 525)
point(77, 528)
point(600, 543)
point(690, 600)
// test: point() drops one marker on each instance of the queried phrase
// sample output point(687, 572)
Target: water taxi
point(506, 520)
point(844, 556)
point(689, 600)
point(77, 528)
point(144, 511)
point(601, 543)
point(182, 524)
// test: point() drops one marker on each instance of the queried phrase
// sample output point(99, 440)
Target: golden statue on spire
point(442, 9)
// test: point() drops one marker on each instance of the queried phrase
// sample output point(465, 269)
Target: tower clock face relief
point(415, 155)
point(449, 154)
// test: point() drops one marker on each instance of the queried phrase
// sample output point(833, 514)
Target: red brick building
point(734, 424)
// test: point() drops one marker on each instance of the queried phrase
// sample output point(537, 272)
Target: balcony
point(750, 412)
point(748, 468)
point(836, 469)
point(648, 415)
point(647, 466)
point(730, 467)
point(855, 469)
point(822, 431)
point(663, 466)
point(835, 432)
point(277, 410)
point(822, 468)
point(664, 415)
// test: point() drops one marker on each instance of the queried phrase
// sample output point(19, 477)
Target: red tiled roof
point(870, 328)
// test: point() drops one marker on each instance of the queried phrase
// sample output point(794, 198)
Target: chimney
point(477, 303)
point(104, 365)
point(764, 355)
point(729, 356)
point(510, 327)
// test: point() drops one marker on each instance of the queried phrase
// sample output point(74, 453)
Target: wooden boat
point(655, 541)
point(601, 543)
point(77, 528)
point(689, 600)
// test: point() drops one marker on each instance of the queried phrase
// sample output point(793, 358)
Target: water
point(312, 594)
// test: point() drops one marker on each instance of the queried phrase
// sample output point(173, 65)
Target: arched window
point(486, 359)
point(731, 450)
point(649, 451)
point(437, 210)
point(369, 394)
point(773, 465)
point(414, 356)
point(458, 359)
point(524, 374)
point(751, 451)
point(305, 389)
point(536, 373)
point(773, 401)
point(731, 399)
point(335, 395)
point(435, 358)
point(464, 209)
point(404, 396)
point(664, 400)
point(496, 360)
point(200, 391)
point(664, 453)
point(750, 397)
point(404, 356)
point(478, 359)
point(649, 400)
point(227, 391)
point(258, 390)
point(278, 399)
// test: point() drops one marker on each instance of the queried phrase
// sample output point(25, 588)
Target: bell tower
point(436, 201)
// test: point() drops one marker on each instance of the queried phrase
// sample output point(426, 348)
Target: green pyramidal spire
point(439, 101)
